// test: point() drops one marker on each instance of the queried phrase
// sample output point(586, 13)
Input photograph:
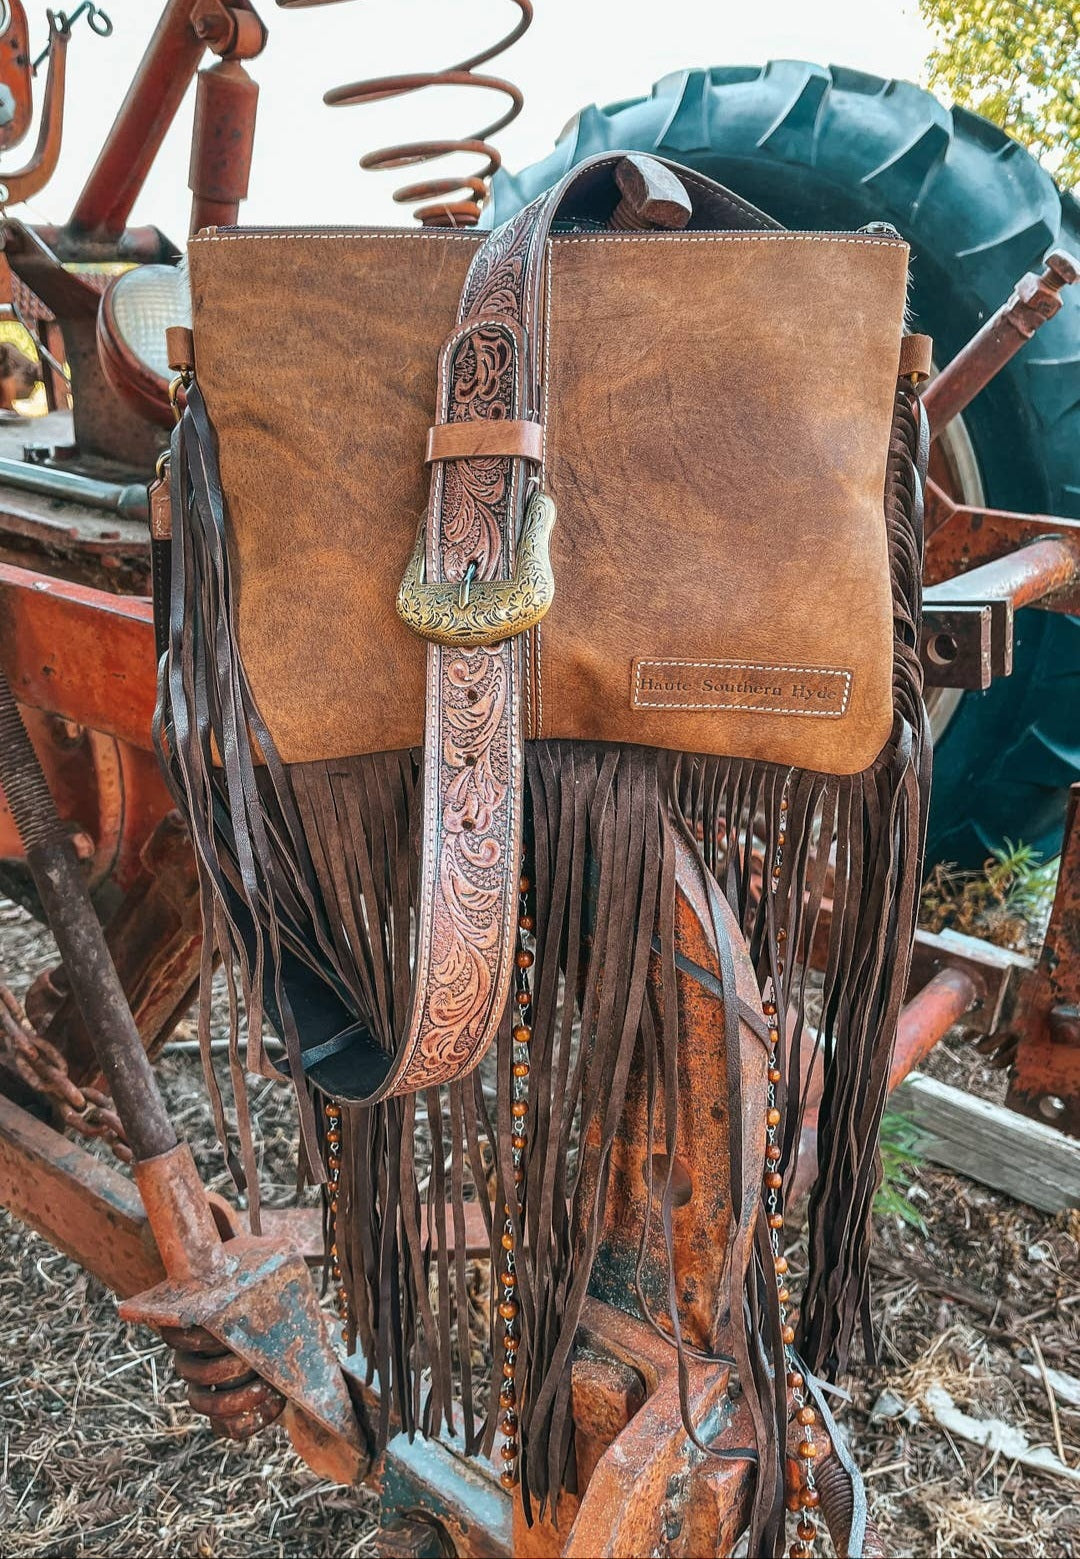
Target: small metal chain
point(805, 1499)
point(44, 1068)
point(521, 1034)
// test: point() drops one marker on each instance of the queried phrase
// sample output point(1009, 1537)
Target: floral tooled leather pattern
point(473, 772)
point(474, 491)
point(472, 779)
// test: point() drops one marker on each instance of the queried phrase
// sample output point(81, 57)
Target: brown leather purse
point(664, 593)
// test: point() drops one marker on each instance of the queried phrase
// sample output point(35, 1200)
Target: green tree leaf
point(1016, 62)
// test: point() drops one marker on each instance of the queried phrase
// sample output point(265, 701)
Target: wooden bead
point(773, 1118)
point(775, 1074)
point(781, 837)
point(519, 1109)
point(769, 1009)
point(807, 1450)
point(524, 959)
point(806, 1530)
point(508, 1478)
point(510, 1451)
point(521, 1069)
point(524, 884)
point(774, 1180)
point(507, 1397)
point(526, 922)
point(519, 1177)
point(780, 1263)
point(788, 1336)
point(522, 1033)
point(511, 1344)
point(509, 1423)
point(810, 1499)
point(772, 1153)
point(509, 1280)
point(333, 1136)
point(523, 998)
point(800, 1551)
point(519, 1141)
point(795, 1381)
point(783, 1295)
point(508, 1369)
point(806, 1415)
point(508, 1309)
point(776, 1220)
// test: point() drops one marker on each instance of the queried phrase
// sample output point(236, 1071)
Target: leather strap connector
point(916, 354)
point(482, 437)
point(180, 347)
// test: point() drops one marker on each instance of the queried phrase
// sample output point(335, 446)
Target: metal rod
point(1023, 577)
point(928, 1016)
point(1034, 300)
point(71, 487)
point(161, 82)
point(221, 143)
point(91, 974)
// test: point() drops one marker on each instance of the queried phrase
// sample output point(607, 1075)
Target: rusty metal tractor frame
point(88, 834)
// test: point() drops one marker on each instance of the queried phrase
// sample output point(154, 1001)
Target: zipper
point(882, 229)
point(871, 229)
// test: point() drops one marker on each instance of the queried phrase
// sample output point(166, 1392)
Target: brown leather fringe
point(317, 862)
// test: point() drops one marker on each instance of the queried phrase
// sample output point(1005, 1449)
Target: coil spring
point(237, 1402)
point(470, 190)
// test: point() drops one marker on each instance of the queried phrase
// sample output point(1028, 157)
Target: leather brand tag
point(160, 509)
point(818, 691)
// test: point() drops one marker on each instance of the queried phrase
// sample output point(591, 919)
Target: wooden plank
point(987, 1142)
point(77, 1202)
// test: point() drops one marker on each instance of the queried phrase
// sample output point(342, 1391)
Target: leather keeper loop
point(916, 353)
point(180, 347)
point(480, 438)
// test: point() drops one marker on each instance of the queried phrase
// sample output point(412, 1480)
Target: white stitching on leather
point(745, 665)
point(353, 232)
point(655, 236)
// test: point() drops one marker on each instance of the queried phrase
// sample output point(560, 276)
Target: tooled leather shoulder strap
point(477, 582)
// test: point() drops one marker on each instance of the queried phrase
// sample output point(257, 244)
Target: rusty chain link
point(43, 1068)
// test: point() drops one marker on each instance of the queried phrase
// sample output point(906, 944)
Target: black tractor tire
point(824, 147)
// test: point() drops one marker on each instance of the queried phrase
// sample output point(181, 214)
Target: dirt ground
point(101, 1457)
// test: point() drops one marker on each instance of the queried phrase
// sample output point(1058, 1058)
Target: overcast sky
point(577, 52)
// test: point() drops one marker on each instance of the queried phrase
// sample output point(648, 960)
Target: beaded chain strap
point(510, 1449)
point(805, 1498)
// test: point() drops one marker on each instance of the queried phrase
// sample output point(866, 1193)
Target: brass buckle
point(469, 613)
